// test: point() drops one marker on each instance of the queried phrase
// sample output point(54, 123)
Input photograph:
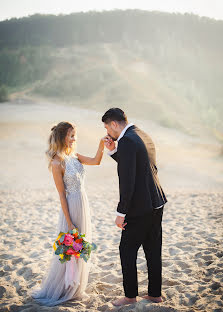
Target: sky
point(19, 8)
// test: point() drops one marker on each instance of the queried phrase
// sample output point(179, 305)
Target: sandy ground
point(191, 172)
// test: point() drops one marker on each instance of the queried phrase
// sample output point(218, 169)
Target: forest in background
point(160, 66)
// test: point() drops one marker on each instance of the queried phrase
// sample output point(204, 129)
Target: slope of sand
point(190, 172)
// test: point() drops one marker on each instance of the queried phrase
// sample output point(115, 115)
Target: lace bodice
point(74, 175)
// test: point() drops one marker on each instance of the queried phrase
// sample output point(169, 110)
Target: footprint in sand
point(183, 265)
point(111, 278)
point(208, 258)
point(34, 255)
point(174, 251)
point(17, 260)
point(21, 271)
point(215, 286)
point(2, 291)
point(103, 286)
point(111, 254)
point(7, 268)
point(170, 282)
point(219, 254)
point(2, 273)
point(107, 266)
point(6, 256)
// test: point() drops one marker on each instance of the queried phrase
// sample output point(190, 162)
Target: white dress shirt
point(114, 151)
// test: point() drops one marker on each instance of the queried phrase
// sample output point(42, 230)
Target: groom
point(140, 209)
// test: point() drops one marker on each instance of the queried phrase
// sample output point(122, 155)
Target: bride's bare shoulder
point(56, 162)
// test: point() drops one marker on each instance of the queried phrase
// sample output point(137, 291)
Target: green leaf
point(63, 260)
point(62, 238)
point(73, 231)
point(59, 250)
point(84, 257)
point(94, 246)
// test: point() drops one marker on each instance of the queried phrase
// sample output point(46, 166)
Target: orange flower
point(79, 240)
point(75, 235)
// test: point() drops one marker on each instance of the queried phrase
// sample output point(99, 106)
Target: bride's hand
point(70, 227)
point(109, 143)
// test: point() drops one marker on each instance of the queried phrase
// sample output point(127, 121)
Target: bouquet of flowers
point(72, 244)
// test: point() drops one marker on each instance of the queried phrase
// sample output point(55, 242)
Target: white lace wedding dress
point(68, 280)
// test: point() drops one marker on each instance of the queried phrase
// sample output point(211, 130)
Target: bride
point(68, 280)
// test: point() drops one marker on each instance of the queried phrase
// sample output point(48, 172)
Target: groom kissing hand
point(141, 203)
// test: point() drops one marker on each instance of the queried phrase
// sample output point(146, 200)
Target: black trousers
point(146, 231)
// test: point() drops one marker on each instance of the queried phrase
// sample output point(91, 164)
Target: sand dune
point(190, 172)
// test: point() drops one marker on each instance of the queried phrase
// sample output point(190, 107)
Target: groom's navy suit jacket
point(140, 191)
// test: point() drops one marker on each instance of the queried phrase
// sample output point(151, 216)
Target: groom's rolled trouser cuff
point(119, 214)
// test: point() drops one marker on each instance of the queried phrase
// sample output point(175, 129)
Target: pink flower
point(70, 252)
point(68, 239)
point(77, 246)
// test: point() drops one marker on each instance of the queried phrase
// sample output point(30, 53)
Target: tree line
point(186, 50)
point(110, 26)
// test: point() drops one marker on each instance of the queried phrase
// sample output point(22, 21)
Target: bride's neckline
point(70, 156)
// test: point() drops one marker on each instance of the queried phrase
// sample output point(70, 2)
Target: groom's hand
point(119, 221)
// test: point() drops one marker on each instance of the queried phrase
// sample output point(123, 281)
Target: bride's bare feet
point(123, 301)
point(153, 299)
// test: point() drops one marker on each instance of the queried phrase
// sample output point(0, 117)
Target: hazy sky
point(18, 8)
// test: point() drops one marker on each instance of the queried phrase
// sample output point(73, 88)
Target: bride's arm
point(58, 179)
point(85, 160)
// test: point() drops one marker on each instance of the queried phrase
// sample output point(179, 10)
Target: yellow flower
point(61, 256)
point(59, 236)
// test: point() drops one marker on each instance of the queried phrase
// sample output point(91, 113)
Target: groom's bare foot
point(123, 301)
point(153, 299)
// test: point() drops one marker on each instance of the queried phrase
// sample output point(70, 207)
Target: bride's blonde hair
point(57, 144)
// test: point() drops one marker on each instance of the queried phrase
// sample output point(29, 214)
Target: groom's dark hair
point(114, 114)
